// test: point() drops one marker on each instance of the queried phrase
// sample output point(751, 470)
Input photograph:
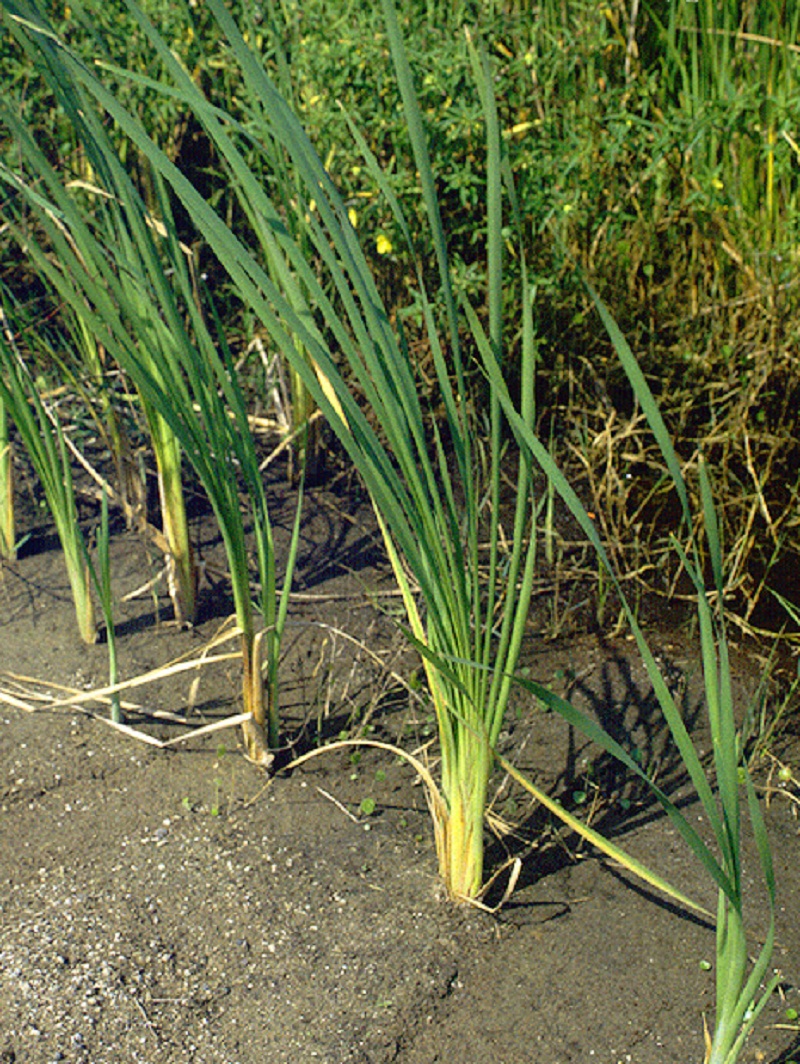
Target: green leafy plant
point(466, 604)
point(84, 368)
point(129, 317)
point(141, 299)
point(42, 435)
point(740, 995)
point(435, 492)
point(733, 74)
point(413, 488)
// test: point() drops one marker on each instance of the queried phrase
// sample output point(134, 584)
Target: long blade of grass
point(42, 435)
point(635, 867)
point(555, 476)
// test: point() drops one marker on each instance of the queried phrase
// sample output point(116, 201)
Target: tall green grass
point(733, 71)
point(436, 492)
point(81, 365)
point(100, 571)
point(42, 435)
point(743, 989)
point(131, 312)
point(141, 299)
point(437, 495)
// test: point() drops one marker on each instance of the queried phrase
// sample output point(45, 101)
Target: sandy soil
point(174, 905)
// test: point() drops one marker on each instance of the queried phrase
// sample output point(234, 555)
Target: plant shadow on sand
point(175, 906)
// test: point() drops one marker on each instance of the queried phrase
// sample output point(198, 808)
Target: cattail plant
point(135, 303)
point(83, 366)
point(743, 987)
point(41, 433)
point(141, 300)
point(464, 602)
point(436, 493)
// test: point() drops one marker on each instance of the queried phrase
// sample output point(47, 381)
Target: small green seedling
point(215, 805)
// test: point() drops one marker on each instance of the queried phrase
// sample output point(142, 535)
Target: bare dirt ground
point(164, 906)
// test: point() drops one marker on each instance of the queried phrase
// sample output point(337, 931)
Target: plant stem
point(101, 574)
point(7, 523)
point(181, 567)
point(464, 790)
point(254, 730)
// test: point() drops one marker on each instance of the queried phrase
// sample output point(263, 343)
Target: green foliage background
point(655, 145)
